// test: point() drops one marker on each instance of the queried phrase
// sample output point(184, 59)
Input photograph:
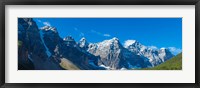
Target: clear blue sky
point(159, 32)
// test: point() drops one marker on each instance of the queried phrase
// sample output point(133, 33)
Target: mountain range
point(43, 49)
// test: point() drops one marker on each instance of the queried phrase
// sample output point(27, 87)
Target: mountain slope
point(66, 64)
point(174, 63)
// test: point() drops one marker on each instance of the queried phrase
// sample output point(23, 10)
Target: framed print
point(100, 43)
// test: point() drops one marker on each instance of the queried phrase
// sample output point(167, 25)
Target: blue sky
point(152, 32)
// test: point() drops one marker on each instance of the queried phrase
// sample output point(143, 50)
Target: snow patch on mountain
point(49, 28)
point(106, 67)
point(42, 38)
point(128, 43)
point(153, 47)
point(29, 57)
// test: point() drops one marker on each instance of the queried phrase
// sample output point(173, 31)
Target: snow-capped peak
point(83, 42)
point(162, 48)
point(83, 39)
point(113, 41)
point(47, 28)
point(115, 38)
point(165, 50)
point(129, 42)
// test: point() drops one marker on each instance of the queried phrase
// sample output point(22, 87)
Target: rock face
point(44, 49)
point(32, 51)
point(110, 52)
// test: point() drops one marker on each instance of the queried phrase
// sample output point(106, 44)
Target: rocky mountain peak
point(69, 41)
point(135, 46)
point(155, 56)
point(68, 38)
point(83, 43)
point(115, 39)
point(83, 39)
point(165, 54)
point(112, 42)
point(163, 49)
